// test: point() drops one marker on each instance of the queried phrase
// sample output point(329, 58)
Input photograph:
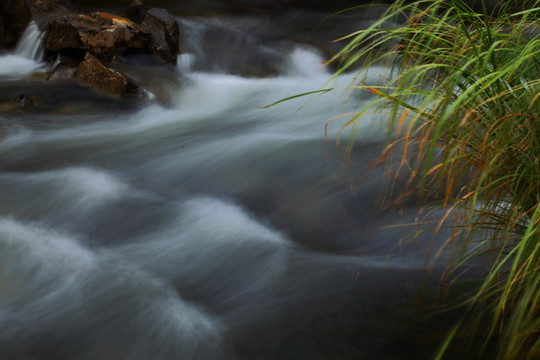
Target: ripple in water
point(64, 301)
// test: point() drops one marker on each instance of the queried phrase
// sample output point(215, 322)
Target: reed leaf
point(464, 96)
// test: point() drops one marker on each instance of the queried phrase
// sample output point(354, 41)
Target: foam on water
point(247, 97)
point(12, 136)
point(238, 101)
point(306, 63)
point(223, 92)
point(214, 247)
point(25, 248)
point(64, 301)
point(14, 66)
point(222, 220)
point(185, 61)
point(76, 190)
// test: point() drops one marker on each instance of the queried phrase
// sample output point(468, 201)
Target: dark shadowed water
point(198, 225)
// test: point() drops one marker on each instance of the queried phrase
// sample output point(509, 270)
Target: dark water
point(199, 225)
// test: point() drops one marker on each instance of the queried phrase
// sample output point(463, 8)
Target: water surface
point(199, 225)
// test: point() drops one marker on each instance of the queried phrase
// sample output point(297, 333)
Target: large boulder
point(16, 14)
point(103, 35)
point(95, 74)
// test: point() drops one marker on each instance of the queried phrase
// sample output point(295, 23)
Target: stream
point(199, 224)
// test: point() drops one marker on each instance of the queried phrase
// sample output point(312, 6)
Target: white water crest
point(80, 190)
point(205, 97)
point(211, 237)
point(114, 308)
point(15, 66)
point(306, 63)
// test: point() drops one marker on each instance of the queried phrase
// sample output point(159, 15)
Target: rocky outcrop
point(104, 35)
point(16, 14)
point(95, 74)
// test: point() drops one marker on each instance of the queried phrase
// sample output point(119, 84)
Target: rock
point(162, 26)
point(107, 36)
point(5, 36)
point(135, 11)
point(94, 73)
point(161, 82)
point(90, 43)
point(61, 72)
point(103, 35)
point(19, 13)
point(42, 7)
point(24, 101)
point(165, 34)
point(63, 68)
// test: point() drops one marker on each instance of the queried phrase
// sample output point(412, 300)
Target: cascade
point(30, 44)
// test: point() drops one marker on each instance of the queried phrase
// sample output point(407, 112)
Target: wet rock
point(24, 101)
point(96, 40)
point(108, 36)
point(41, 7)
point(162, 26)
point(162, 82)
point(19, 16)
point(94, 73)
point(5, 37)
point(135, 11)
point(165, 34)
point(61, 72)
point(19, 13)
point(104, 35)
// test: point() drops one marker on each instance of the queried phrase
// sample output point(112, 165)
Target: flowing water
point(200, 225)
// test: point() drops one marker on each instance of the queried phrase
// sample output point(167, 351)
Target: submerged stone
point(24, 101)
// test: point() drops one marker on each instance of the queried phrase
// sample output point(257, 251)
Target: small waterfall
point(30, 45)
point(306, 62)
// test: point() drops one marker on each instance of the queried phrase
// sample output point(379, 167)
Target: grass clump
point(464, 101)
